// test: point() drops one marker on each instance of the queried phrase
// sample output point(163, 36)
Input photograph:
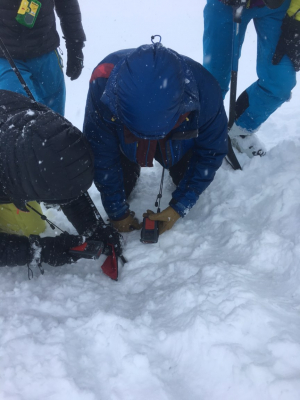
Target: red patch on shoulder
point(102, 71)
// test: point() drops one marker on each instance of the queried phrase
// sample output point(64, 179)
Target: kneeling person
point(153, 103)
point(43, 157)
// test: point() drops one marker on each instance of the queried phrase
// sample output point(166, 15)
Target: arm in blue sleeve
point(210, 148)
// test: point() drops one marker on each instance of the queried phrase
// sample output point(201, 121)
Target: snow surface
point(211, 312)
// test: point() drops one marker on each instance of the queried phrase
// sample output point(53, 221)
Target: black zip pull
point(159, 196)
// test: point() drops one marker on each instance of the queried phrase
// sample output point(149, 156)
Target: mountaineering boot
point(246, 142)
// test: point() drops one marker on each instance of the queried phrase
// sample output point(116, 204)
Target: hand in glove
point(166, 219)
point(108, 234)
point(75, 60)
point(127, 224)
point(235, 3)
point(289, 42)
point(55, 250)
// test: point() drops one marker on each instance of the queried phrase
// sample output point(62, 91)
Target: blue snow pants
point(44, 77)
point(274, 83)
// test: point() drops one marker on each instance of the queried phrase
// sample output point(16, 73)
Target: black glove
point(55, 250)
point(235, 3)
point(108, 234)
point(289, 42)
point(75, 59)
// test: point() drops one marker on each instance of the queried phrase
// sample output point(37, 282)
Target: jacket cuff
point(179, 208)
point(72, 44)
point(122, 213)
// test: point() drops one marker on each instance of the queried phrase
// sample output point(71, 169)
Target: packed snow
point(210, 312)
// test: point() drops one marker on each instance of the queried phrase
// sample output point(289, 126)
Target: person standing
point(33, 46)
point(277, 24)
point(28, 31)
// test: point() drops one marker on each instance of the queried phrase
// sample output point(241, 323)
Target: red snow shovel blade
point(110, 265)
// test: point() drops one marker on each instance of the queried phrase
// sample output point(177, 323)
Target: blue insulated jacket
point(146, 91)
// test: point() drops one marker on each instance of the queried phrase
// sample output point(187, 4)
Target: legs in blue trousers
point(275, 82)
point(44, 77)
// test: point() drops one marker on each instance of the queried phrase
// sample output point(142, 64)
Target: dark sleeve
point(210, 147)
point(14, 250)
point(83, 214)
point(69, 14)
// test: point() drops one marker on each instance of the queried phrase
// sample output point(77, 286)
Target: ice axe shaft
point(237, 14)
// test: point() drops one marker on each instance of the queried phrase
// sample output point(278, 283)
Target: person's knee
point(283, 89)
point(281, 86)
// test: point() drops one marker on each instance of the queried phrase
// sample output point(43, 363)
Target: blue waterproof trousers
point(274, 83)
point(44, 77)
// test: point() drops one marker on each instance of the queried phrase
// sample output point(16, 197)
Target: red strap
point(129, 137)
point(81, 247)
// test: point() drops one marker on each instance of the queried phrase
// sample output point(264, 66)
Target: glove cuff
point(291, 25)
point(128, 212)
point(178, 207)
point(74, 45)
point(35, 252)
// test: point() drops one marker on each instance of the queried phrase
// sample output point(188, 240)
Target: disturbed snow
point(211, 312)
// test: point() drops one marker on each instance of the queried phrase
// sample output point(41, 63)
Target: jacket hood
point(43, 156)
point(149, 89)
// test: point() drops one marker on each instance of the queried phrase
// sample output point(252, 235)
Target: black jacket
point(19, 116)
point(24, 43)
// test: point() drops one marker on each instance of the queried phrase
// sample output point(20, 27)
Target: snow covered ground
point(211, 312)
